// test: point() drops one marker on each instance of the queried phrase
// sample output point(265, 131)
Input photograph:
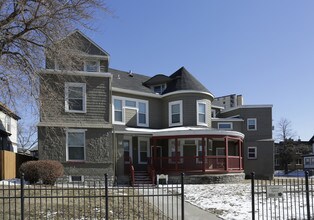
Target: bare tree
point(287, 151)
point(30, 31)
point(28, 28)
point(284, 130)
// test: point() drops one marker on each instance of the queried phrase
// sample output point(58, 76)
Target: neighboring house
point(8, 129)
point(308, 159)
point(300, 148)
point(98, 120)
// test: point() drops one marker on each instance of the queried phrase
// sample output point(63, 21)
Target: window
point(130, 103)
point(92, 66)
point(127, 146)
point(118, 114)
point(277, 162)
point(199, 151)
point(175, 113)
point(8, 123)
point(298, 161)
point(213, 113)
point(143, 152)
point(159, 88)
point(122, 103)
point(201, 113)
point(142, 113)
point(225, 125)
point(252, 153)
point(75, 97)
point(76, 178)
point(75, 140)
point(220, 151)
point(172, 151)
point(251, 124)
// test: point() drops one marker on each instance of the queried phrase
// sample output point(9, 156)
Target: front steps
point(142, 178)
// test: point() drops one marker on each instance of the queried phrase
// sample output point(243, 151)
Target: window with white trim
point(75, 97)
point(251, 124)
point(172, 151)
point(159, 88)
point(76, 178)
point(8, 123)
point(213, 113)
point(201, 112)
point(118, 111)
point(122, 103)
point(225, 125)
point(252, 153)
point(199, 151)
point(142, 114)
point(143, 152)
point(75, 143)
point(91, 66)
point(175, 113)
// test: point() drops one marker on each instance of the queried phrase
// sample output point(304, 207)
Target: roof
point(177, 131)
point(157, 80)
point(183, 80)
point(7, 111)
point(247, 106)
point(179, 81)
point(312, 139)
point(129, 80)
point(86, 44)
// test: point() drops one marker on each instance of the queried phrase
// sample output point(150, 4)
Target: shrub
point(46, 170)
point(30, 170)
point(50, 171)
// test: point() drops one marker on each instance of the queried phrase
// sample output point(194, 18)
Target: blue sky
point(263, 50)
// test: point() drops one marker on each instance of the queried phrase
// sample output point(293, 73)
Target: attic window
point(92, 66)
point(159, 88)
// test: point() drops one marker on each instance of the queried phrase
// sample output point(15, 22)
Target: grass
point(73, 202)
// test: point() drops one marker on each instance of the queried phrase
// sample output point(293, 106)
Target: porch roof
point(182, 131)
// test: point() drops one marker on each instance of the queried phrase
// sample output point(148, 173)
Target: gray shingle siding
point(97, 99)
point(98, 150)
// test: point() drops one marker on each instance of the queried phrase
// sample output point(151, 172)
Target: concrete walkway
point(171, 206)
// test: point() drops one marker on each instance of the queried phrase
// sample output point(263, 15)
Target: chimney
point(130, 73)
point(239, 100)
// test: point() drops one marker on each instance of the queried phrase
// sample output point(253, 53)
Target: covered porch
point(202, 153)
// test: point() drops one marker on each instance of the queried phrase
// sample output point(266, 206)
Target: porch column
point(203, 154)
point(227, 150)
point(154, 152)
point(176, 154)
point(240, 154)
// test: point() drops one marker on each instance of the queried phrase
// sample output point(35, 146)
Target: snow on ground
point(228, 201)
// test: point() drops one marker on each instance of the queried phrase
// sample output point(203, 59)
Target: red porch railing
point(132, 173)
point(151, 170)
point(214, 164)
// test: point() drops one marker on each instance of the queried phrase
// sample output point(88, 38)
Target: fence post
point(182, 195)
point(253, 196)
point(106, 196)
point(22, 196)
point(307, 195)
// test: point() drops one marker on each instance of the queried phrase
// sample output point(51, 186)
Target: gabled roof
point(312, 139)
point(7, 111)
point(183, 80)
point(87, 45)
point(157, 80)
point(129, 81)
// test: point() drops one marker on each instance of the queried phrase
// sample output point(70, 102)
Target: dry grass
point(55, 202)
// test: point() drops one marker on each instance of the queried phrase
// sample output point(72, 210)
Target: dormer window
point(159, 88)
point(92, 66)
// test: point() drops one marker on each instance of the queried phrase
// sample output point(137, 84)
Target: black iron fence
point(91, 200)
point(284, 198)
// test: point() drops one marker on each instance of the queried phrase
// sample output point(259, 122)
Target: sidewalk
point(172, 207)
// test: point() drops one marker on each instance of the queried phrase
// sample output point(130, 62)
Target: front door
point(127, 146)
